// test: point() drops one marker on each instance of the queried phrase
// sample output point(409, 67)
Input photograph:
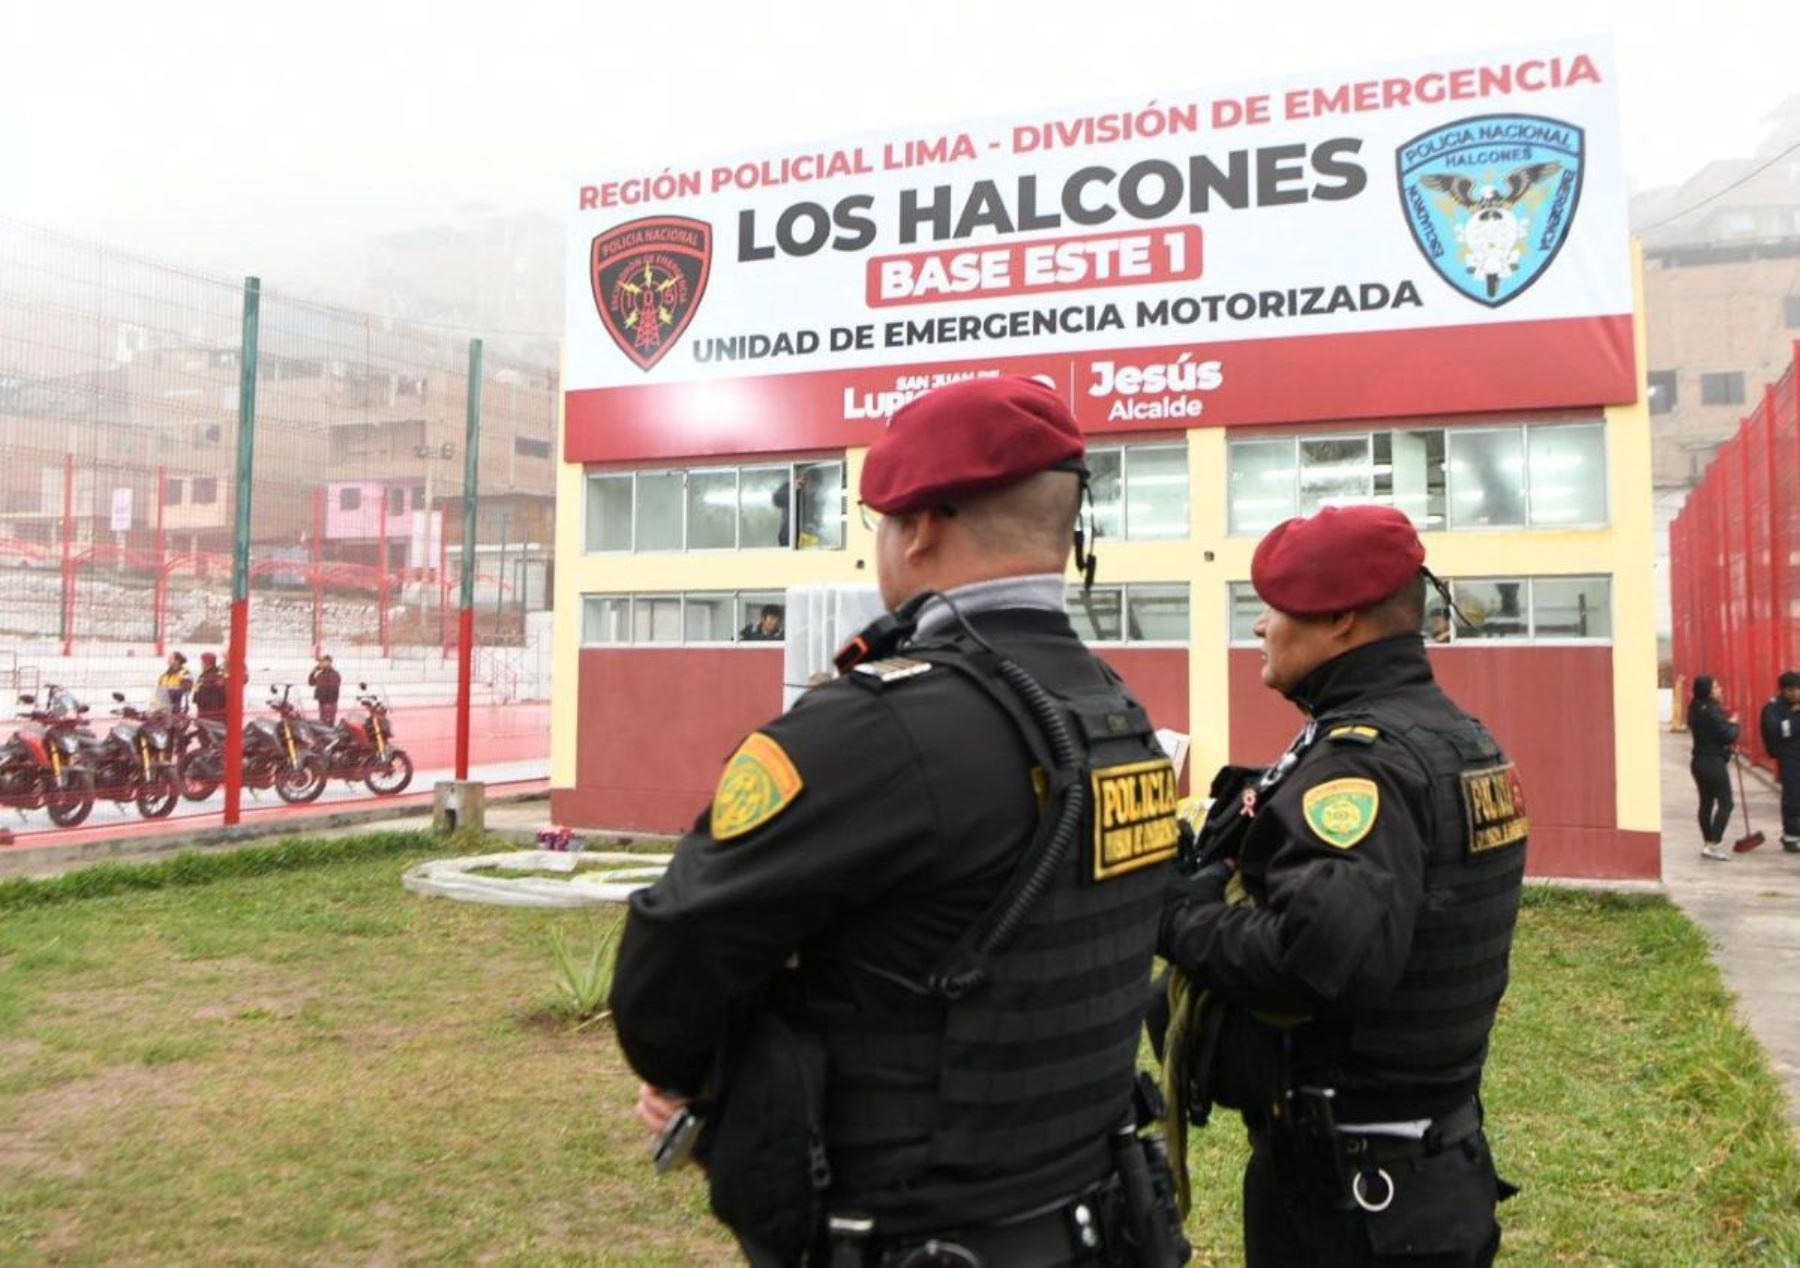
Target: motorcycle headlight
point(68, 744)
point(159, 738)
point(262, 726)
point(124, 735)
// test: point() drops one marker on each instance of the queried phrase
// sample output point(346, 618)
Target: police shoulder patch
point(1354, 733)
point(1341, 812)
point(759, 783)
point(893, 669)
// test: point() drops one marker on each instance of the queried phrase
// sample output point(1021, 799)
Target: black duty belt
point(1071, 1229)
point(1444, 1133)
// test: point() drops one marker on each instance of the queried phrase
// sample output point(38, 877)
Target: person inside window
point(769, 626)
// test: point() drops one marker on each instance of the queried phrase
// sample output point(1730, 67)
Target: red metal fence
point(1734, 554)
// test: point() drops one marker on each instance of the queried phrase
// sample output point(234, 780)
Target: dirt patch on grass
point(46, 1123)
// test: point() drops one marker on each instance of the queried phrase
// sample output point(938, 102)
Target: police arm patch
point(1341, 812)
point(759, 783)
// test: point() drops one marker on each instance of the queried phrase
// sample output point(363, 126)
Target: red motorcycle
point(364, 750)
point(41, 762)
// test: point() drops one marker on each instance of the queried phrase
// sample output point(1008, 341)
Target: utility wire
point(1750, 175)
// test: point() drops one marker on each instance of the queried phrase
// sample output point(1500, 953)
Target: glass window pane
point(1157, 614)
point(1439, 625)
point(1095, 614)
point(1262, 485)
point(1246, 607)
point(762, 617)
point(1413, 478)
point(1492, 608)
point(1105, 467)
point(712, 510)
point(1568, 475)
point(1571, 607)
point(1334, 472)
point(656, 618)
point(706, 618)
point(1156, 492)
point(762, 507)
point(605, 618)
point(1487, 478)
point(659, 510)
point(820, 486)
point(609, 512)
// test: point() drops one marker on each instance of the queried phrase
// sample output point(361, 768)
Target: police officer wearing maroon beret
point(896, 967)
point(1350, 947)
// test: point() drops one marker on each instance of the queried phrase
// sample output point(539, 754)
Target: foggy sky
point(278, 137)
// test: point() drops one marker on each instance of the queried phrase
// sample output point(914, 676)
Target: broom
point(1750, 840)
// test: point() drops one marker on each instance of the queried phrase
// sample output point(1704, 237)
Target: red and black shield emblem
point(648, 278)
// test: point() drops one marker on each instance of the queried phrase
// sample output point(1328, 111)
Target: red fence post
point(381, 580)
point(318, 579)
point(237, 652)
point(68, 556)
point(465, 618)
point(159, 605)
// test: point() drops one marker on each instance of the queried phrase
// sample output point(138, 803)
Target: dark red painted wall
point(1551, 709)
point(656, 727)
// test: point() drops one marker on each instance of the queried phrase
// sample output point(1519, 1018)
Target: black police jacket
point(1715, 734)
point(916, 802)
point(1384, 866)
point(1780, 726)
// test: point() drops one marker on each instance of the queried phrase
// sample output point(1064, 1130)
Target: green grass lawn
point(307, 1064)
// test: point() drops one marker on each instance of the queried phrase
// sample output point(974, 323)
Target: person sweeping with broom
point(1715, 735)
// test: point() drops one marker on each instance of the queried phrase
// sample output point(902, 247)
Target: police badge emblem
point(648, 277)
point(1490, 199)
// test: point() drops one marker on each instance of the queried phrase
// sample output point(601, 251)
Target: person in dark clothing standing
point(325, 681)
point(209, 690)
point(1715, 735)
point(1343, 948)
point(1781, 740)
point(897, 821)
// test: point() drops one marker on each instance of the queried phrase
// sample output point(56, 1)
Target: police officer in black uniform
point(1781, 739)
point(1352, 948)
point(908, 940)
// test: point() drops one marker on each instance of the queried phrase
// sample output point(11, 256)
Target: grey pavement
point(1750, 906)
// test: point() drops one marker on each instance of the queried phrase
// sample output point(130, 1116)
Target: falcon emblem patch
point(759, 783)
point(1490, 199)
point(1341, 812)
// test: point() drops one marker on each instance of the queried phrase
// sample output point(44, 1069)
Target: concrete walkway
point(1750, 906)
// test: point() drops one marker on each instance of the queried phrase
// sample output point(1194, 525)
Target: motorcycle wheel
point(74, 800)
point(199, 773)
point(298, 785)
point(391, 778)
point(156, 797)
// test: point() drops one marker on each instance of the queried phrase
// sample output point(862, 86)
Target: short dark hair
point(1788, 679)
point(1402, 612)
point(774, 610)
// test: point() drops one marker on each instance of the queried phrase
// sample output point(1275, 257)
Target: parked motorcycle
point(199, 755)
point(364, 751)
point(279, 753)
point(134, 761)
point(40, 763)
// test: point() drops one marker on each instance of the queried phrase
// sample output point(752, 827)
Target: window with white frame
point(1513, 476)
point(695, 617)
point(1140, 491)
point(1138, 612)
point(765, 506)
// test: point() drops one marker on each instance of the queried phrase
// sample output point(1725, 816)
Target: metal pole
point(68, 556)
point(237, 652)
point(500, 569)
point(465, 634)
point(160, 604)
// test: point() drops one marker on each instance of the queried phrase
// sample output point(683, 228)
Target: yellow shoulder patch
point(759, 783)
point(1341, 812)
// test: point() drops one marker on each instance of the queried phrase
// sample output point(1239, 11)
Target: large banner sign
point(1445, 236)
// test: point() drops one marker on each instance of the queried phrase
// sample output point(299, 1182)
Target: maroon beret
point(1341, 559)
point(969, 437)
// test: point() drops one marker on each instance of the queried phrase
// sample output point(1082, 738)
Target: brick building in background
point(1722, 307)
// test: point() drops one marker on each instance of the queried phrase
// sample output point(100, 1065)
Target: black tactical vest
point(1421, 1052)
point(1036, 1064)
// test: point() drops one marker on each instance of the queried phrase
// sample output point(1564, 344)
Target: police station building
point(1409, 285)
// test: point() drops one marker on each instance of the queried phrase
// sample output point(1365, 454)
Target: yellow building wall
point(1208, 560)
